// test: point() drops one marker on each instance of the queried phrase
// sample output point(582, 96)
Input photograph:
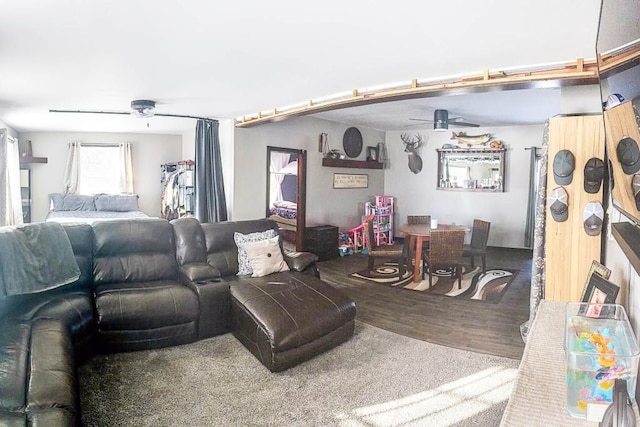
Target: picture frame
point(344, 180)
point(598, 292)
point(596, 268)
point(372, 154)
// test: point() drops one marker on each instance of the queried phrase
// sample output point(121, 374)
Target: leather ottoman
point(287, 318)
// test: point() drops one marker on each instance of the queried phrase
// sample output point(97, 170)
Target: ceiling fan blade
point(90, 112)
point(422, 120)
point(464, 124)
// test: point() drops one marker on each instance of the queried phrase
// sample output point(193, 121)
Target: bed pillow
point(78, 202)
point(71, 202)
point(56, 201)
point(265, 257)
point(117, 202)
point(244, 267)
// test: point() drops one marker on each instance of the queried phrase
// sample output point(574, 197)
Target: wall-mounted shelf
point(24, 160)
point(355, 164)
point(628, 237)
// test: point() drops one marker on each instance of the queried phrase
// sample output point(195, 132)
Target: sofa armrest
point(214, 298)
point(302, 261)
point(198, 271)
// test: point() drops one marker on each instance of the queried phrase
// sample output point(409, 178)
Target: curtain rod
point(122, 113)
point(532, 148)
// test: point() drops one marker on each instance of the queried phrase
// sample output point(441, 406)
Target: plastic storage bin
point(600, 347)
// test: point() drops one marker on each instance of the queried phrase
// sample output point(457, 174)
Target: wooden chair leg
point(430, 281)
point(473, 264)
point(459, 274)
point(484, 263)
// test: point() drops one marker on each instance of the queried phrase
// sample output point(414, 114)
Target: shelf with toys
point(382, 211)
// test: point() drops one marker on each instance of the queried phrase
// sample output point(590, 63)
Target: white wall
point(418, 194)
point(149, 151)
point(325, 205)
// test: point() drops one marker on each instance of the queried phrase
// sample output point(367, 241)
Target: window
point(99, 170)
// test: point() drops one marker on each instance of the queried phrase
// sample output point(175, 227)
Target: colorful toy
point(345, 244)
point(591, 374)
point(359, 235)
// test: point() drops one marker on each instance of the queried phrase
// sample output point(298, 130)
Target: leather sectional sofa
point(147, 284)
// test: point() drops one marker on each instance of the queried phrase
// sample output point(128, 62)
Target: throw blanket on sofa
point(35, 257)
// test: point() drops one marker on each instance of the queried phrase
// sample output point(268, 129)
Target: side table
point(322, 240)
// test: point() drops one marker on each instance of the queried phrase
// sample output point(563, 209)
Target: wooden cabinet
point(322, 240)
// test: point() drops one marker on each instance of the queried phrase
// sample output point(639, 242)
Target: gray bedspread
point(34, 258)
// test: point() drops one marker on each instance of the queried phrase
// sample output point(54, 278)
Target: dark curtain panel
point(211, 204)
point(538, 264)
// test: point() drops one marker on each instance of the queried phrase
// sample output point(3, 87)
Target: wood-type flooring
point(465, 324)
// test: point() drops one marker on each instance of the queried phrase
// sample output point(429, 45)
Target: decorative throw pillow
point(265, 257)
point(244, 267)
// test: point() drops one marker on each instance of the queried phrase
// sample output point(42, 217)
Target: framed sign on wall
point(343, 180)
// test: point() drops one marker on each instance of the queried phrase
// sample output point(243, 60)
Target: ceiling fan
point(441, 121)
point(141, 108)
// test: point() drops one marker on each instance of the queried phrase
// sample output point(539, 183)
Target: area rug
point(376, 379)
point(488, 287)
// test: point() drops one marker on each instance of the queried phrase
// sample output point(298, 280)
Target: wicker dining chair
point(478, 245)
point(396, 250)
point(445, 251)
point(418, 219)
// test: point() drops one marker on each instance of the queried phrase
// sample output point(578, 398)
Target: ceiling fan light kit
point(143, 108)
point(440, 120)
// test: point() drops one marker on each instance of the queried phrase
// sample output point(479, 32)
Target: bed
point(89, 209)
point(285, 213)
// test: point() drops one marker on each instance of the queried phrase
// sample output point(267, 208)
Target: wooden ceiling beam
point(576, 73)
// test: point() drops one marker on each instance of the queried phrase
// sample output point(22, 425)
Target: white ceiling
point(226, 59)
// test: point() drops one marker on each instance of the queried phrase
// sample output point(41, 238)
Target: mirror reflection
point(471, 170)
point(618, 53)
point(286, 177)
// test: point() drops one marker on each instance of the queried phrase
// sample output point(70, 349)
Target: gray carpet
point(378, 378)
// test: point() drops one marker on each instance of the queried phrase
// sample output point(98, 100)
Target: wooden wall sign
point(342, 180)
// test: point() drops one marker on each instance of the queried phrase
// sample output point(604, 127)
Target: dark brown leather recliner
point(140, 302)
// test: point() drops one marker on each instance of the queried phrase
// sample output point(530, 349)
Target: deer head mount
point(411, 144)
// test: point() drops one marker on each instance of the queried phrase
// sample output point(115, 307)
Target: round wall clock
point(352, 142)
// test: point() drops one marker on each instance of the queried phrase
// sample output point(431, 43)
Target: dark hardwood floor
point(469, 325)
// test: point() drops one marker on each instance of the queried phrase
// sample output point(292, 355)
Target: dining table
point(417, 235)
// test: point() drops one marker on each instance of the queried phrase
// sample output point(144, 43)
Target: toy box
point(600, 348)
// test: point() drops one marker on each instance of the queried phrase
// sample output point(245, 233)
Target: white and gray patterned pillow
point(244, 267)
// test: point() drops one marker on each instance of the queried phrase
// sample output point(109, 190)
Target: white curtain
point(72, 171)
point(10, 199)
point(278, 162)
point(126, 168)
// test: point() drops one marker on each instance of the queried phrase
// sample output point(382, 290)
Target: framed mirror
point(286, 193)
point(471, 170)
point(618, 55)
